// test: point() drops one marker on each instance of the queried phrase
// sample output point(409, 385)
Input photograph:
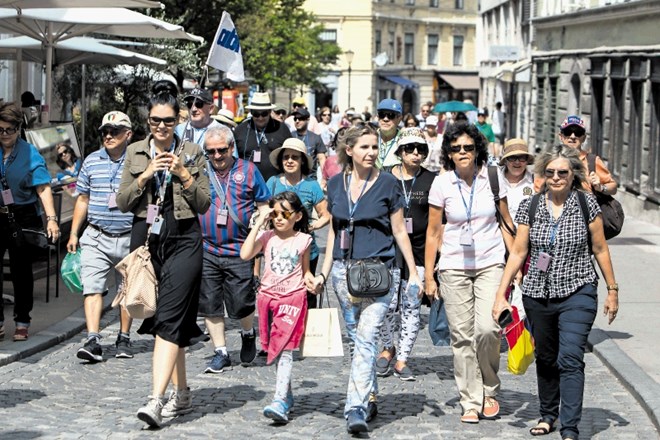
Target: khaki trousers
point(475, 338)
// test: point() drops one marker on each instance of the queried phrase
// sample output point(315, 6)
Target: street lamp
point(349, 58)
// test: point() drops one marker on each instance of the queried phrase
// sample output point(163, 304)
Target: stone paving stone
point(55, 395)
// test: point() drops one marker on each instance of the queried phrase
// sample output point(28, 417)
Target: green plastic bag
point(71, 272)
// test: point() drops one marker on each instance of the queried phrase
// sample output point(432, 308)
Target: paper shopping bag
point(322, 334)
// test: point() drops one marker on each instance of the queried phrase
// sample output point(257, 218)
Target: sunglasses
point(210, 152)
point(520, 158)
point(110, 130)
point(300, 119)
point(156, 121)
point(286, 215)
point(11, 130)
point(387, 115)
point(422, 149)
point(457, 148)
point(63, 153)
point(197, 103)
point(325, 115)
point(261, 114)
point(295, 157)
point(280, 112)
point(549, 172)
point(577, 131)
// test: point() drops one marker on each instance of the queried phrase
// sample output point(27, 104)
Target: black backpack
point(613, 215)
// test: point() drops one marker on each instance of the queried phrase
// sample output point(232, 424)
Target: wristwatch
point(603, 188)
point(51, 217)
point(614, 286)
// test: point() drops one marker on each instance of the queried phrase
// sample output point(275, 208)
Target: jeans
point(364, 318)
point(560, 328)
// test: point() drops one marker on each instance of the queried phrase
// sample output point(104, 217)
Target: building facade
point(411, 50)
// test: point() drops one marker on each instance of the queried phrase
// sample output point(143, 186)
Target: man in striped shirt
point(236, 187)
point(107, 237)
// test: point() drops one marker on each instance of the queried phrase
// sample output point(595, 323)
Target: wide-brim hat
point(260, 101)
point(292, 144)
point(516, 147)
point(225, 116)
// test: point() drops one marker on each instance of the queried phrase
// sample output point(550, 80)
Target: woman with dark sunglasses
point(470, 266)
point(67, 161)
point(560, 289)
point(165, 185)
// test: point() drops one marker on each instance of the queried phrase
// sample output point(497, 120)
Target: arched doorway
point(409, 101)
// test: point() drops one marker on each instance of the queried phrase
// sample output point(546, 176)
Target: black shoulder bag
point(613, 215)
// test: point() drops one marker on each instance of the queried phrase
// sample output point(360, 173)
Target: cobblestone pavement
point(55, 395)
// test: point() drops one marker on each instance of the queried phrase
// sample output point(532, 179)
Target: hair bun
point(165, 86)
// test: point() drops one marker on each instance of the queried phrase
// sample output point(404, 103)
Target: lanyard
point(162, 178)
point(223, 193)
point(468, 208)
point(189, 134)
point(388, 144)
point(554, 223)
point(4, 163)
point(113, 174)
point(351, 206)
point(259, 136)
point(407, 196)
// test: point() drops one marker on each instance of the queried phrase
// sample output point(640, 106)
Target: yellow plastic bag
point(521, 348)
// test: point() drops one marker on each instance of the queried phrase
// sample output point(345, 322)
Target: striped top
point(98, 178)
point(244, 185)
point(488, 246)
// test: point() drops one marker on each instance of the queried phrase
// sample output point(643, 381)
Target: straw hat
point(292, 144)
point(260, 101)
point(516, 147)
point(225, 116)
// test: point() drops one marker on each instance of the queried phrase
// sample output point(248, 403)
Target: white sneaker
point(180, 402)
point(151, 412)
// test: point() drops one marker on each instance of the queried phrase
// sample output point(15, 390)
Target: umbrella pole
point(19, 72)
point(83, 111)
point(49, 78)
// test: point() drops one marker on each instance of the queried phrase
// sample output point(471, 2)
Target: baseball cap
point(481, 112)
point(299, 101)
point(390, 104)
point(302, 112)
point(201, 94)
point(280, 107)
point(572, 120)
point(411, 135)
point(432, 120)
point(117, 119)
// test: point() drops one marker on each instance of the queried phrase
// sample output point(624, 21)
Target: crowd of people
point(449, 209)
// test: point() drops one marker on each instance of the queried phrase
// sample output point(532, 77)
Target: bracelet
point(324, 279)
point(614, 286)
point(51, 217)
point(183, 182)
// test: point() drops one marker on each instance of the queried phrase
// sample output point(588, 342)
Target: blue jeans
point(560, 328)
point(364, 318)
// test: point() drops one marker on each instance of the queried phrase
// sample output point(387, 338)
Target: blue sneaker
point(218, 363)
point(355, 422)
point(278, 411)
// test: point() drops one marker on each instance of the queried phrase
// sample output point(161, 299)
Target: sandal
point(542, 430)
point(470, 416)
point(21, 334)
point(491, 408)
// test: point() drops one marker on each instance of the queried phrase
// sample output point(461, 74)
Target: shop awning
point(465, 81)
point(401, 81)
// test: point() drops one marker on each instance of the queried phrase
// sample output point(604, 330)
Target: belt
point(109, 234)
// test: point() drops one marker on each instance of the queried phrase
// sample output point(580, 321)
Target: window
point(378, 42)
point(328, 35)
point(390, 46)
point(434, 3)
point(410, 2)
point(432, 49)
point(458, 50)
point(459, 4)
point(409, 48)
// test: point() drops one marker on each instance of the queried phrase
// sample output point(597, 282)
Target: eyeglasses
point(280, 112)
point(11, 130)
point(111, 130)
point(577, 131)
point(210, 152)
point(295, 157)
point(297, 119)
point(260, 114)
point(325, 115)
point(457, 148)
point(197, 103)
point(549, 172)
point(422, 149)
point(519, 158)
point(286, 215)
point(387, 115)
point(156, 121)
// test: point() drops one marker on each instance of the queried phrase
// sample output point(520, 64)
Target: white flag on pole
point(225, 53)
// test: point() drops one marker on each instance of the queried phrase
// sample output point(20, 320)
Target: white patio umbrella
point(54, 25)
point(25, 4)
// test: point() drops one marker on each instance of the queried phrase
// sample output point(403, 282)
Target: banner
point(225, 53)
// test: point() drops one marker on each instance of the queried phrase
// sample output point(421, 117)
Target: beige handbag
point(139, 290)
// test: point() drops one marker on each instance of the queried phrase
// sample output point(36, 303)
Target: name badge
point(466, 236)
point(409, 225)
point(157, 225)
point(7, 197)
point(256, 156)
point(543, 262)
point(152, 213)
point(112, 201)
point(221, 219)
point(344, 239)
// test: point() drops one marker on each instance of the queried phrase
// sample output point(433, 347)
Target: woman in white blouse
point(518, 181)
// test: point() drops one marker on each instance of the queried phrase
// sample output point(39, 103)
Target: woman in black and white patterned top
point(560, 289)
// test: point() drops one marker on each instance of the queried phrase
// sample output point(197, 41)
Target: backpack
point(584, 208)
point(612, 210)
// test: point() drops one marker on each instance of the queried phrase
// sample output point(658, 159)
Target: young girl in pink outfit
point(282, 299)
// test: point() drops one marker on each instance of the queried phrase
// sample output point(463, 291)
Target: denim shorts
point(227, 282)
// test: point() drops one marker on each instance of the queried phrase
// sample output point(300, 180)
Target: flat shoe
point(542, 430)
point(491, 408)
point(470, 416)
point(21, 334)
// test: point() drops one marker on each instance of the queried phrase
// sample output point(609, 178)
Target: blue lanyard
point(113, 174)
point(351, 206)
point(468, 209)
point(388, 145)
point(4, 164)
point(407, 196)
point(162, 178)
point(554, 223)
point(223, 193)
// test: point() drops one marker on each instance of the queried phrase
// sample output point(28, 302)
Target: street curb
point(645, 390)
point(49, 337)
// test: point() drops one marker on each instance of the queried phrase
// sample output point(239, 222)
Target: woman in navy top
point(373, 200)
point(25, 180)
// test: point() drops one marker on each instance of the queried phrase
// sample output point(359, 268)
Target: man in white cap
point(257, 136)
point(107, 238)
